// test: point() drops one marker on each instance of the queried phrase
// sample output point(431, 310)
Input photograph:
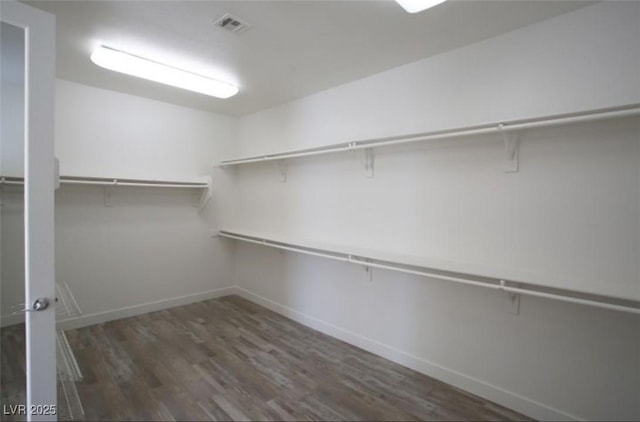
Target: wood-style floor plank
point(230, 359)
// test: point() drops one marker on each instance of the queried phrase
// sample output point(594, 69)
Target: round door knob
point(40, 304)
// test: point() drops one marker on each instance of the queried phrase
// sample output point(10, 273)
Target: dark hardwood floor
point(12, 370)
point(229, 359)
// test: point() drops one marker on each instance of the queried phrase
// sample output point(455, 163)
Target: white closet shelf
point(102, 181)
point(203, 183)
point(502, 128)
point(507, 280)
point(70, 180)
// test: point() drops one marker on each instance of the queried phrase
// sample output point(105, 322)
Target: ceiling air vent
point(230, 23)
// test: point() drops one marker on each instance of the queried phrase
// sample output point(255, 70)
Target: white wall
point(570, 217)
point(151, 248)
point(151, 244)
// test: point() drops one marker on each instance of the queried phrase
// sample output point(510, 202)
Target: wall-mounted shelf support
point(282, 169)
point(206, 193)
point(364, 262)
point(369, 271)
point(511, 150)
point(514, 300)
point(368, 162)
point(515, 303)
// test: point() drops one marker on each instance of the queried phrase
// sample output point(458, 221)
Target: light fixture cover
point(415, 6)
point(120, 61)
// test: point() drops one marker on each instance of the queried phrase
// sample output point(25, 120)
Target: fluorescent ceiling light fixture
point(120, 61)
point(415, 6)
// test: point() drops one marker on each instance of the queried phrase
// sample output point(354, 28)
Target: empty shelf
point(499, 127)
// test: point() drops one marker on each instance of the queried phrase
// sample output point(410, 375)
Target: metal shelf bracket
point(364, 262)
point(369, 160)
point(511, 150)
point(514, 299)
point(206, 193)
point(282, 169)
point(369, 271)
point(107, 194)
point(515, 303)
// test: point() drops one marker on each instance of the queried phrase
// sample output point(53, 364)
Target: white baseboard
point(475, 386)
point(129, 311)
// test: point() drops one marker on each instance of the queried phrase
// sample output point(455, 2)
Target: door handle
point(40, 304)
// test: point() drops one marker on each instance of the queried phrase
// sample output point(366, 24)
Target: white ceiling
point(294, 48)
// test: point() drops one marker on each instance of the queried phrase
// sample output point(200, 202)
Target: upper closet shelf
point(69, 180)
point(203, 183)
point(103, 181)
point(504, 129)
point(511, 281)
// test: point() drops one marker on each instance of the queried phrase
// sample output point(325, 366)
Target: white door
point(39, 78)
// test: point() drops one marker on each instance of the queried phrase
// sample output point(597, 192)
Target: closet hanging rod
point(503, 287)
point(306, 251)
point(14, 181)
point(114, 182)
point(494, 283)
point(593, 115)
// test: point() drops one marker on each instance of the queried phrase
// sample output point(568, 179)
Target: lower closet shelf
point(511, 281)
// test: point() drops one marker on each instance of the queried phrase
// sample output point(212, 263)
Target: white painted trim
point(143, 308)
point(473, 385)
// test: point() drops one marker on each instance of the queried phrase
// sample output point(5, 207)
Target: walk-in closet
point(320, 210)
